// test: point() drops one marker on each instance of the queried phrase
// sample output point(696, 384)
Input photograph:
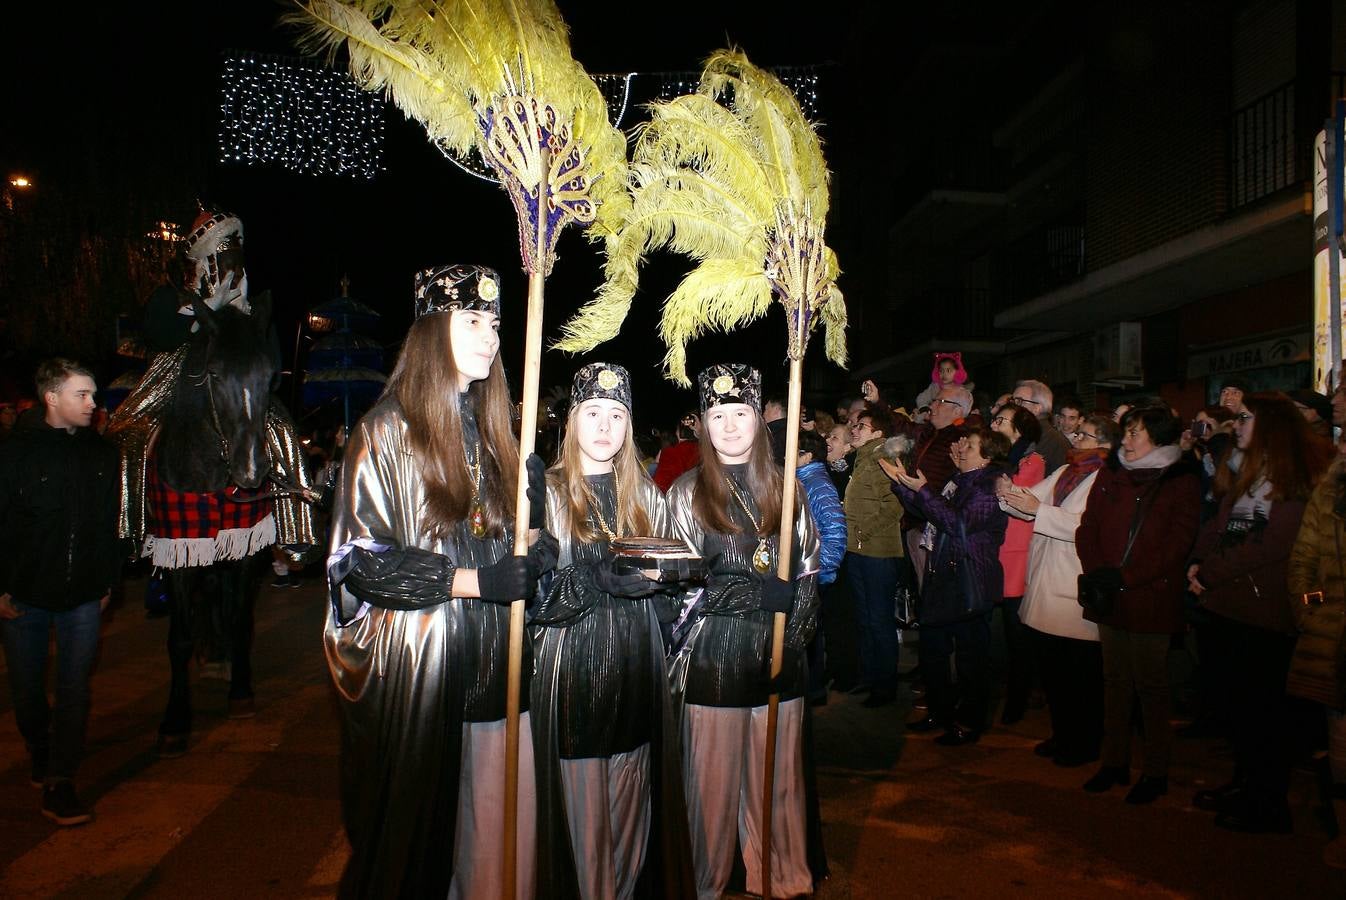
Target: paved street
point(251, 811)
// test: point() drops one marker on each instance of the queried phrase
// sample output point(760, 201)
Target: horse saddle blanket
point(187, 528)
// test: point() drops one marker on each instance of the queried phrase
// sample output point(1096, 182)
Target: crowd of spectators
point(1059, 555)
point(1203, 535)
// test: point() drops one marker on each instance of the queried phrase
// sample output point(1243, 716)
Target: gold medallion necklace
point(597, 507)
point(476, 515)
point(761, 557)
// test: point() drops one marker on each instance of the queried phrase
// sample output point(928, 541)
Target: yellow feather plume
point(734, 177)
point(459, 66)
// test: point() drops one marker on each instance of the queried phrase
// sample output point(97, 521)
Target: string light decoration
point(801, 80)
point(317, 121)
point(299, 115)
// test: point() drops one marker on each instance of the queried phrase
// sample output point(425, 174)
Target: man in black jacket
point(58, 525)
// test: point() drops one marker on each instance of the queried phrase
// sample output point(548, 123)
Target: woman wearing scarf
point(1065, 644)
point(1025, 468)
point(1239, 573)
point(1143, 490)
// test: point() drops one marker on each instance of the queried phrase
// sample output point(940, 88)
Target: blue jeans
point(873, 582)
point(56, 732)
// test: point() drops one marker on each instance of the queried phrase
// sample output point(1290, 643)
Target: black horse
point(213, 441)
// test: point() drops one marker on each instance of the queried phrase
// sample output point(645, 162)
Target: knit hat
point(959, 376)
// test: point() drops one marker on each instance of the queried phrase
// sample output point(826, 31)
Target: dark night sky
point(124, 102)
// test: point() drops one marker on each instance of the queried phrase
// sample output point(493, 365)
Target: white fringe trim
point(231, 543)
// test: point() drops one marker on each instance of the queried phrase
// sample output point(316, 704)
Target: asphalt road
point(251, 810)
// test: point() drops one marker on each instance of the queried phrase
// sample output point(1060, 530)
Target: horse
point(212, 443)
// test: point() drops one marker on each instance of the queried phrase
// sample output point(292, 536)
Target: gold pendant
point(761, 557)
point(476, 520)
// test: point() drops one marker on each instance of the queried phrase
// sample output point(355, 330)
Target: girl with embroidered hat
point(728, 509)
point(422, 574)
point(609, 770)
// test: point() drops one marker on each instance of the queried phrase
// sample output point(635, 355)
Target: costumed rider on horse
point(199, 436)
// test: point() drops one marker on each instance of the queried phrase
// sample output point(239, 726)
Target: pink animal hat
point(959, 377)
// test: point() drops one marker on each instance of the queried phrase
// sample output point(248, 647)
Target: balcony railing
point(1271, 139)
point(1266, 150)
point(1041, 261)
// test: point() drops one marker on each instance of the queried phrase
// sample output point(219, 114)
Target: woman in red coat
point(1026, 468)
point(1149, 484)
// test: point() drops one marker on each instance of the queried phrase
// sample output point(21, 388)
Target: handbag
point(958, 578)
point(1098, 591)
point(1315, 664)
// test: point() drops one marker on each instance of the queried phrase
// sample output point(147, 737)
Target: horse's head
point(214, 431)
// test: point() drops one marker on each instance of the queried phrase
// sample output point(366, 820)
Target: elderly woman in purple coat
point(963, 581)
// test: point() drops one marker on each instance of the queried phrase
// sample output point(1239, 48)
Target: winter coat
point(973, 503)
point(1154, 580)
point(932, 460)
point(58, 515)
point(674, 460)
point(1051, 595)
point(1315, 563)
point(1053, 445)
point(828, 516)
point(873, 513)
point(1018, 533)
point(1246, 580)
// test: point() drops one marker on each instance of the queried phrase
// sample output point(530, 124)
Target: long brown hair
point(632, 518)
point(425, 383)
point(1284, 450)
point(710, 496)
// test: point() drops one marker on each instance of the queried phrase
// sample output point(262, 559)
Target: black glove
point(537, 491)
point(542, 555)
point(514, 577)
point(504, 581)
point(777, 596)
point(788, 670)
point(607, 579)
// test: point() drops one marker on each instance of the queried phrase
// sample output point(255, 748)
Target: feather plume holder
point(796, 266)
point(542, 168)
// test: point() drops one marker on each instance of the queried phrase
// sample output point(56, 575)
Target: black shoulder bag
point(1100, 589)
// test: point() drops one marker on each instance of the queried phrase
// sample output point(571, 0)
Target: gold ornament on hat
point(608, 379)
point(723, 385)
point(487, 288)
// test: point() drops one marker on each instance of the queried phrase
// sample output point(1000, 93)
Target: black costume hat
point(458, 286)
point(607, 381)
point(730, 383)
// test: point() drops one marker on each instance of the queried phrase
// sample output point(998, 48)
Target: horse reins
point(287, 488)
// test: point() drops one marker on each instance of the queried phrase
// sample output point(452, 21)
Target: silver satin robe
point(600, 689)
point(724, 641)
point(410, 666)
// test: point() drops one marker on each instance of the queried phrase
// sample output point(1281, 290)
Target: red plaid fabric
point(182, 514)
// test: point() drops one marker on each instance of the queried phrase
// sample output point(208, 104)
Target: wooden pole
point(532, 368)
point(786, 542)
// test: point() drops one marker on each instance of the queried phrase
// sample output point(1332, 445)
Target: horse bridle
point(288, 488)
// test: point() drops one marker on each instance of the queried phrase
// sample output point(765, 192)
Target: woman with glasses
point(962, 581)
point(1025, 469)
point(1065, 644)
point(1238, 572)
point(1138, 526)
